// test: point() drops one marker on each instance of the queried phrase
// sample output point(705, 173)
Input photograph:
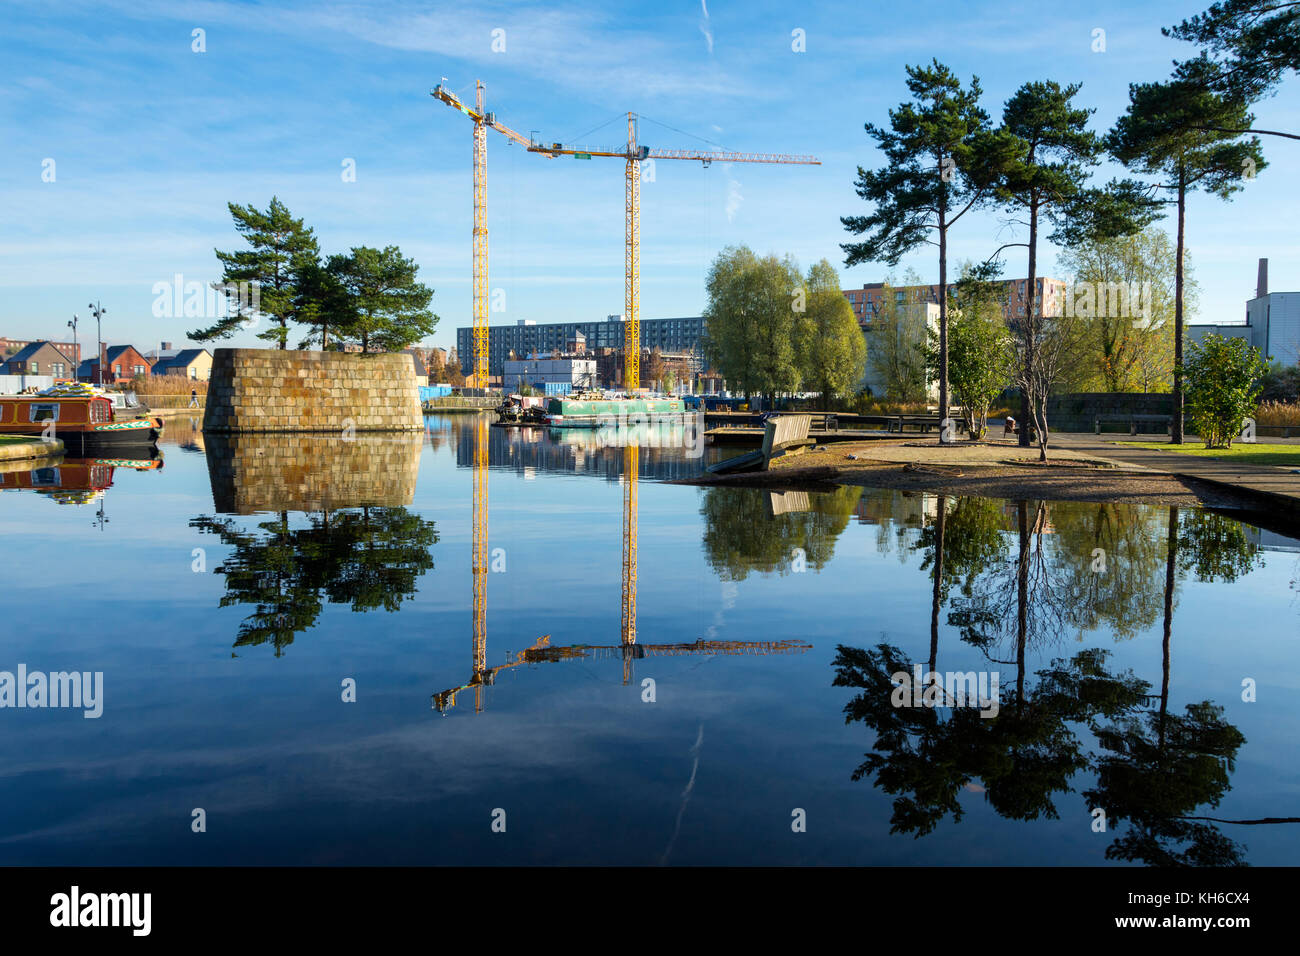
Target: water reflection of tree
point(1156, 769)
point(1130, 540)
point(1024, 756)
point(1153, 768)
point(741, 534)
point(1215, 547)
point(367, 558)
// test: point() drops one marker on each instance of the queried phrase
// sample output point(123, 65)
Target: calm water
point(228, 596)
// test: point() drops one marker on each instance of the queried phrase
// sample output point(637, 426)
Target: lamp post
point(76, 352)
point(99, 314)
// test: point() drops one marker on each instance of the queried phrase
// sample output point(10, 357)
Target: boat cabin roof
point(44, 399)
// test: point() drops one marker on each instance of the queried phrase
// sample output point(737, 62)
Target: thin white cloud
point(706, 26)
point(734, 198)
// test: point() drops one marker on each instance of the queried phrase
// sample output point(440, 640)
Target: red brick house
point(123, 363)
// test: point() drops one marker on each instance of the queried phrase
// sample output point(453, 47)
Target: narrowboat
point(73, 481)
point(594, 410)
point(83, 422)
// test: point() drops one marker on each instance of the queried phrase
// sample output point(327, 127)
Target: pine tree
point(1168, 133)
point(1040, 160)
point(932, 179)
point(380, 304)
point(283, 254)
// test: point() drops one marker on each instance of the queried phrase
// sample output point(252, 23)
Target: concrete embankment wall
point(272, 390)
point(252, 473)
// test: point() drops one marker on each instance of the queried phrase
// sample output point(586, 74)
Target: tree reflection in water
point(747, 529)
point(1151, 768)
point(366, 557)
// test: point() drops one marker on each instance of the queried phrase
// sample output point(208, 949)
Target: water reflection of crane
point(479, 556)
point(631, 467)
point(541, 651)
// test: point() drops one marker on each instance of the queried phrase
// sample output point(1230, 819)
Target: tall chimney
point(1261, 283)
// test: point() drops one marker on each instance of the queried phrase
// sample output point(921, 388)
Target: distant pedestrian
point(194, 398)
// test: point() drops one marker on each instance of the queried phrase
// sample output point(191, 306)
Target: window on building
point(117, 371)
point(34, 368)
point(139, 369)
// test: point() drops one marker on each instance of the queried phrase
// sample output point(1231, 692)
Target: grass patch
point(17, 439)
point(1256, 454)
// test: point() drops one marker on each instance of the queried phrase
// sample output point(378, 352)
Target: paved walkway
point(1278, 485)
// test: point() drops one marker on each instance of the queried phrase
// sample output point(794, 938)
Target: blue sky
point(151, 139)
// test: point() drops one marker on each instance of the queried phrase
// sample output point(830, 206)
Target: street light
point(99, 314)
point(76, 352)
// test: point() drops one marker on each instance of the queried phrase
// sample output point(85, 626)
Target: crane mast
point(482, 120)
point(633, 154)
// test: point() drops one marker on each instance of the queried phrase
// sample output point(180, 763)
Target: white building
point(541, 372)
point(1272, 323)
point(915, 332)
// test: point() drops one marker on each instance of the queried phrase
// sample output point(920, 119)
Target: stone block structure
point(273, 390)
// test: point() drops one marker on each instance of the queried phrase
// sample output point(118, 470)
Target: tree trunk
point(1170, 556)
point(1176, 429)
point(1022, 598)
point(943, 323)
point(937, 592)
point(1030, 325)
point(1040, 426)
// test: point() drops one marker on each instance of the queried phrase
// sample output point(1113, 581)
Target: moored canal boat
point(83, 422)
point(594, 410)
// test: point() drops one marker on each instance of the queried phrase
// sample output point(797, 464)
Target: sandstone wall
point(273, 390)
point(251, 473)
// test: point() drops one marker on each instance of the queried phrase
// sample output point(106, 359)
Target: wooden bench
point(1133, 421)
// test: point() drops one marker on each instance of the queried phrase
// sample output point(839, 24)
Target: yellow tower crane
point(482, 120)
point(633, 155)
point(479, 561)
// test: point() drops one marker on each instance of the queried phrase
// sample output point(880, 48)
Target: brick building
point(867, 300)
point(121, 364)
point(39, 358)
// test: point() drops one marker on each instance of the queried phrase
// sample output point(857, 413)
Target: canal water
point(300, 665)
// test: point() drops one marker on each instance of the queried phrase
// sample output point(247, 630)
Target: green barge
point(586, 411)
